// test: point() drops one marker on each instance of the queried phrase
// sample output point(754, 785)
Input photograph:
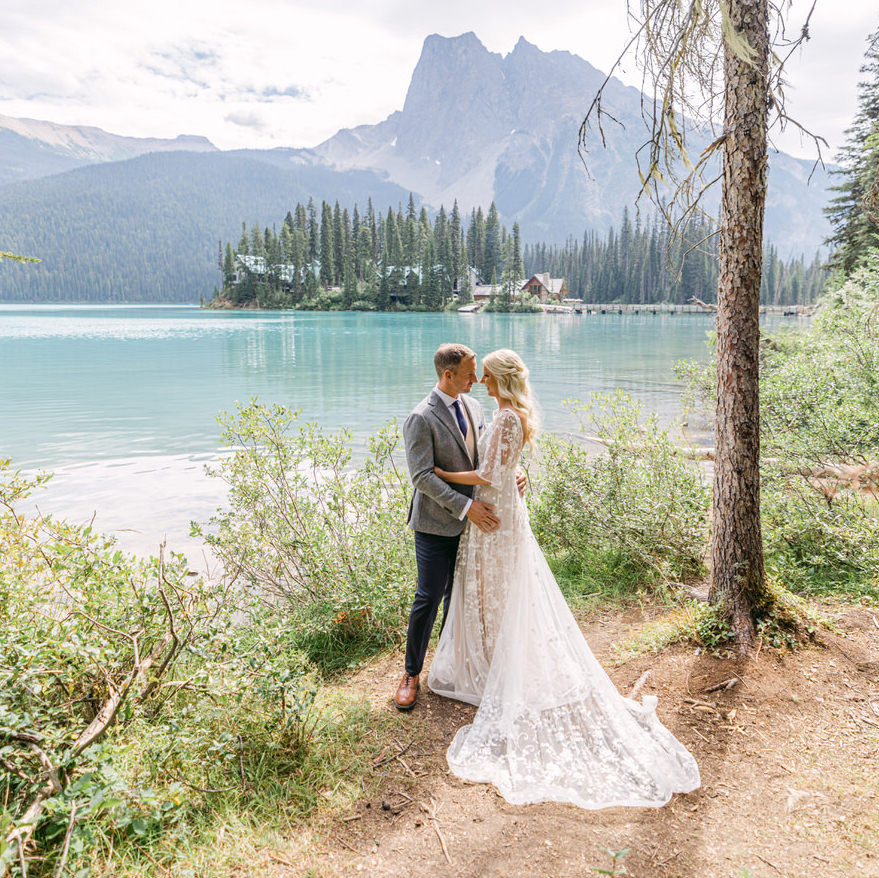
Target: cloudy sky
point(268, 73)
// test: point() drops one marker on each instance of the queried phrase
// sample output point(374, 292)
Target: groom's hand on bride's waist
point(483, 516)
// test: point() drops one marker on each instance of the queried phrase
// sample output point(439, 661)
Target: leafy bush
point(820, 387)
point(132, 694)
point(819, 392)
point(818, 545)
point(321, 538)
point(639, 502)
point(88, 638)
point(820, 400)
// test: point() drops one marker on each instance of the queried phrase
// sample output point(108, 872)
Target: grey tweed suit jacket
point(432, 438)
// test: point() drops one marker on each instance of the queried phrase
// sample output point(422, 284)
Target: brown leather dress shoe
point(407, 692)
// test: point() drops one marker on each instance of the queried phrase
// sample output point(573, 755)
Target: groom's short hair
point(449, 356)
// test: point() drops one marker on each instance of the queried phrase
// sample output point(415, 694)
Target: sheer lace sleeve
point(503, 447)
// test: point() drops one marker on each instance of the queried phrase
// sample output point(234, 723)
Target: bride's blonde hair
point(511, 374)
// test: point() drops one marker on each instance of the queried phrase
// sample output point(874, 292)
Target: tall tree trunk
point(738, 575)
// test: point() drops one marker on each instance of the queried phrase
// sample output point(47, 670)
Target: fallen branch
point(725, 684)
point(769, 864)
point(698, 703)
point(344, 843)
point(432, 812)
point(392, 757)
point(703, 305)
point(402, 762)
point(63, 861)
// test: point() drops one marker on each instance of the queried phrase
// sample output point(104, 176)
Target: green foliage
point(397, 262)
point(704, 625)
point(147, 229)
point(80, 618)
point(819, 389)
point(818, 546)
point(229, 705)
point(597, 575)
point(616, 869)
point(820, 395)
point(321, 537)
point(854, 211)
point(639, 503)
point(520, 305)
point(13, 257)
point(700, 624)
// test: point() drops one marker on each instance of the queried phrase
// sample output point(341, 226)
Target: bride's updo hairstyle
point(511, 374)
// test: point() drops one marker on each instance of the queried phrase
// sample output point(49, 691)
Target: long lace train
point(551, 726)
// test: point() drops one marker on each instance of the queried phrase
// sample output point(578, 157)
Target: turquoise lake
point(120, 402)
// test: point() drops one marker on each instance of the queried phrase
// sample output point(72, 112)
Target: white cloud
point(292, 73)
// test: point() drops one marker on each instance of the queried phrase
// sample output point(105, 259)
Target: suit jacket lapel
point(448, 419)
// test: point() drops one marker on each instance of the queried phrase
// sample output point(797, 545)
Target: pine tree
point(313, 232)
point(338, 243)
point(243, 241)
point(491, 255)
point(854, 212)
point(257, 241)
point(228, 266)
point(327, 247)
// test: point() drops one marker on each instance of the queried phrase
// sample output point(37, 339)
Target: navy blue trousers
point(435, 556)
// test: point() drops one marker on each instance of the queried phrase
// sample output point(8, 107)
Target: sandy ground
point(788, 758)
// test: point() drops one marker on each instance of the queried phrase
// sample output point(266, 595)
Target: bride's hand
point(441, 473)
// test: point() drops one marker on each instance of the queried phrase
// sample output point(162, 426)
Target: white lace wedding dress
point(551, 726)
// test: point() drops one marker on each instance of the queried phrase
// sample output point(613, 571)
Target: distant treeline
point(644, 263)
point(330, 257)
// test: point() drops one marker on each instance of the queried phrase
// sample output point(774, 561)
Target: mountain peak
point(456, 95)
point(522, 45)
point(467, 40)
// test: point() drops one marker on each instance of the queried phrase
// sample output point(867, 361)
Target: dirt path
point(789, 777)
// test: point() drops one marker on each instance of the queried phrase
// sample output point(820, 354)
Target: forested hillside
point(148, 229)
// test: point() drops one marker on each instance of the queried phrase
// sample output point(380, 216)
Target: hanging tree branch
point(711, 73)
point(679, 46)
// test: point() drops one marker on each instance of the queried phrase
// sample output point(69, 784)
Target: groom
point(442, 430)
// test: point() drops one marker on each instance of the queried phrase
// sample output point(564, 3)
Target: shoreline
point(140, 501)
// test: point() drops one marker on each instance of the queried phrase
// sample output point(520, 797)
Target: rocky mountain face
point(477, 126)
point(30, 148)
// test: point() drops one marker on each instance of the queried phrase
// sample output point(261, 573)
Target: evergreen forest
point(339, 258)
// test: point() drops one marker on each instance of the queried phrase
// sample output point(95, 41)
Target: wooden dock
point(609, 308)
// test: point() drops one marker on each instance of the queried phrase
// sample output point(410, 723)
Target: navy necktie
point(459, 417)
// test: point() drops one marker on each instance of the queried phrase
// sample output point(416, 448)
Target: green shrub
point(819, 412)
point(229, 705)
point(88, 637)
point(639, 503)
point(322, 539)
point(820, 545)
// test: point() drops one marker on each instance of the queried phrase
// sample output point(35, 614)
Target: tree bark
point(738, 574)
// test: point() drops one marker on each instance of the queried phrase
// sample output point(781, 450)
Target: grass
point(845, 583)
point(605, 578)
point(261, 804)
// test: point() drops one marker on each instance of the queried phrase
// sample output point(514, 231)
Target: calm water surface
point(120, 402)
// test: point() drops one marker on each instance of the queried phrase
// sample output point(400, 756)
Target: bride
point(551, 726)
